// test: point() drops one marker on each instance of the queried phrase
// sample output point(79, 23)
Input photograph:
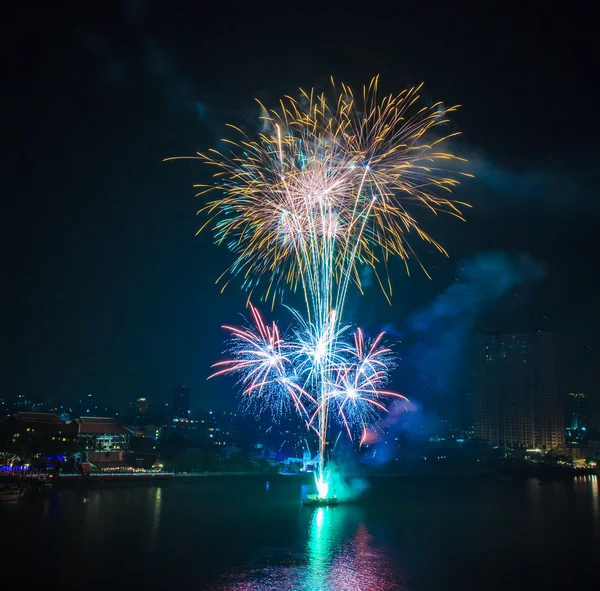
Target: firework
point(277, 374)
point(357, 391)
point(329, 186)
point(262, 361)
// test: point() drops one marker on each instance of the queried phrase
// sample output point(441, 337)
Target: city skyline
point(115, 295)
point(461, 416)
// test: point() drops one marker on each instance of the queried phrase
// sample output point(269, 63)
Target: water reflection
point(534, 494)
point(93, 506)
point(338, 555)
point(154, 509)
point(233, 535)
point(595, 504)
point(341, 563)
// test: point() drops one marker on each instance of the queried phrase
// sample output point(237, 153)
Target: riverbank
point(94, 479)
point(210, 474)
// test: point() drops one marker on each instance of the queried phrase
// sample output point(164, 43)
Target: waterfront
point(247, 533)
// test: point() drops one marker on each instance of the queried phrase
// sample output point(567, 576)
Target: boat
point(11, 492)
point(316, 501)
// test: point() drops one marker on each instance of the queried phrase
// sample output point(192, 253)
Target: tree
point(173, 446)
point(142, 445)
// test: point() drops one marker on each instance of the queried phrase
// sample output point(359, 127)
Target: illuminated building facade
point(142, 405)
point(181, 402)
point(105, 440)
point(30, 431)
point(576, 419)
point(517, 399)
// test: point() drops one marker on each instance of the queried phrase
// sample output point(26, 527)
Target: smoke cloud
point(443, 330)
point(123, 60)
point(345, 488)
point(436, 344)
point(556, 191)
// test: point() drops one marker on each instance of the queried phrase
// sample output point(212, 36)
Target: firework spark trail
point(275, 372)
point(358, 390)
point(261, 359)
point(328, 187)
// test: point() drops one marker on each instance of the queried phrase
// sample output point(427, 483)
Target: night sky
point(106, 289)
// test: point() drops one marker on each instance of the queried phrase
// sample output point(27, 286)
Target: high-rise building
point(463, 419)
point(576, 419)
point(517, 398)
point(181, 402)
point(142, 405)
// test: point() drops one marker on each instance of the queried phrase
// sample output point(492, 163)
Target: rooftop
point(101, 425)
point(38, 417)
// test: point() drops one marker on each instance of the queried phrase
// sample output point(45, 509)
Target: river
point(251, 533)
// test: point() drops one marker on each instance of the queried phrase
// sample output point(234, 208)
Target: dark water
point(239, 533)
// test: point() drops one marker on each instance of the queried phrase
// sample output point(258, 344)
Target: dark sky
point(106, 290)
